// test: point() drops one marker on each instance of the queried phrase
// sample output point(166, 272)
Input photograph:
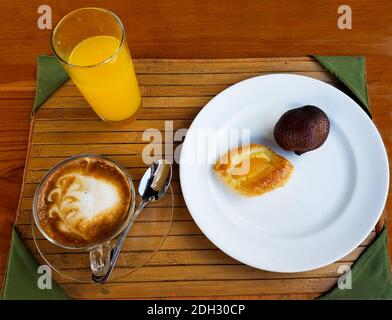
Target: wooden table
point(172, 29)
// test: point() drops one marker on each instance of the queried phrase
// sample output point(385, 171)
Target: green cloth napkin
point(50, 76)
point(21, 279)
point(371, 277)
point(351, 71)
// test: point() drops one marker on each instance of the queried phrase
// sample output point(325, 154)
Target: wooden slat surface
point(188, 264)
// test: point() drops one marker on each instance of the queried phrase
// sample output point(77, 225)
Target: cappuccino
point(83, 201)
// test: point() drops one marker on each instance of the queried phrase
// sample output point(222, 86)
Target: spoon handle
point(117, 248)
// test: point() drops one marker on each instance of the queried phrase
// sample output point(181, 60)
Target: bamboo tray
point(188, 265)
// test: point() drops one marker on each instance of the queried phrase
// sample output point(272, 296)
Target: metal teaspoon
point(153, 186)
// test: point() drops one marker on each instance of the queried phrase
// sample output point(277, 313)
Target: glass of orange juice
point(91, 45)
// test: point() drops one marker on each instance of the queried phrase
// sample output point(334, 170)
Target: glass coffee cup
point(84, 203)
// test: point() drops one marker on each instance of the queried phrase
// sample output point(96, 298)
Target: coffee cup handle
point(100, 259)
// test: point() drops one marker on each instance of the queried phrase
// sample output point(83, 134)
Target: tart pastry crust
point(253, 169)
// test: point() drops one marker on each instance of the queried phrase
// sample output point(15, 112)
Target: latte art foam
point(84, 201)
point(79, 198)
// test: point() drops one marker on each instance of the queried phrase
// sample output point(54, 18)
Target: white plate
point(333, 199)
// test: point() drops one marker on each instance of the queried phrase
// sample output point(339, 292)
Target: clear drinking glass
point(91, 45)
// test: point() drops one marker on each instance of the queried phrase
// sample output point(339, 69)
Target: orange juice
point(102, 69)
